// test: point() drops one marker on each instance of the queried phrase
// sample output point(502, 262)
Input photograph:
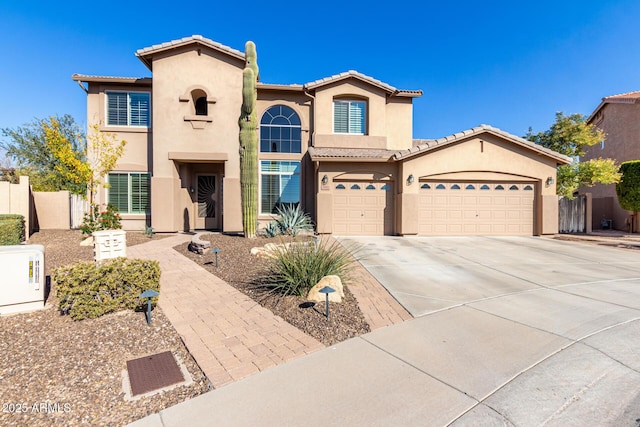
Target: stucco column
point(549, 214)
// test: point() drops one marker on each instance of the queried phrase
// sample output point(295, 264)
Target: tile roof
point(111, 79)
point(621, 98)
point(275, 86)
point(375, 82)
point(319, 153)
point(627, 95)
point(145, 52)
point(426, 144)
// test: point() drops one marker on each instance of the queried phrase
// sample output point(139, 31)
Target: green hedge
point(11, 229)
point(89, 290)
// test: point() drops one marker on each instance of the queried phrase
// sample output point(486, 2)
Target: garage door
point(476, 208)
point(363, 208)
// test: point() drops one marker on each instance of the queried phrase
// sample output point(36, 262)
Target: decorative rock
point(331, 281)
point(199, 245)
point(87, 242)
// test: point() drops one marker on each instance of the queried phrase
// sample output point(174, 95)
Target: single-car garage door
point(362, 208)
point(476, 208)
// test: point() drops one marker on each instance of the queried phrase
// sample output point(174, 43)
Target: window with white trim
point(129, 192)
point(279, 185)
point(349, 116)
point(128, 108)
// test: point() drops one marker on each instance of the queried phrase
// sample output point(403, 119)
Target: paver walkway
point(228, 334)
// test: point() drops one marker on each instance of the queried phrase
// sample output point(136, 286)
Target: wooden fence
point(572, 214)
point(77, 208)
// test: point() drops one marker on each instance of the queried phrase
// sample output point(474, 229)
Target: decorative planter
point(109, 244)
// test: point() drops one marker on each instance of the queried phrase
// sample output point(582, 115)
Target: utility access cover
point(154, 372)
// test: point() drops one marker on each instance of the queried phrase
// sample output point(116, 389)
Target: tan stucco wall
point(484, 157)
point(14, 199)
point(389, 121)
point(52, 210)
point(138, 148)
point(621, 123)
point(175, 74)
point(302, 105)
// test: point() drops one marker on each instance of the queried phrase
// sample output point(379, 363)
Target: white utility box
point(109, 244)
point(22, 280)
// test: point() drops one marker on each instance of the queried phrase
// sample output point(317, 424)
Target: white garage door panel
point(483, 208)
point(362, 208)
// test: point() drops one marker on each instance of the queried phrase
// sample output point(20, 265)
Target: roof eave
point(351, 159)
point(145, 54)
point(115, 80)
point(452, 139)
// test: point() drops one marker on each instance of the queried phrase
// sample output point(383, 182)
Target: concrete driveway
point(509, 331)
point(435, 273)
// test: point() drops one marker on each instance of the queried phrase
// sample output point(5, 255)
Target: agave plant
point(293, 220)
point(272, 229)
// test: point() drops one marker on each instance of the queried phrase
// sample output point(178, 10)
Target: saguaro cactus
point(248, 123)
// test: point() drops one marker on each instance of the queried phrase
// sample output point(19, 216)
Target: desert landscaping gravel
point(244, 271)
point(57, 371)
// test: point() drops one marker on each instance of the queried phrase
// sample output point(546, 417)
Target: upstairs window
point(202, 107)
point(349, 117)
point(127, 109)
point(280, 131)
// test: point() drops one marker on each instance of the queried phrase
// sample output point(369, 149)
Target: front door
point(207, 204)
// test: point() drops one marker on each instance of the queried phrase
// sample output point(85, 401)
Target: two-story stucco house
point(341, 146)
point(619, 117)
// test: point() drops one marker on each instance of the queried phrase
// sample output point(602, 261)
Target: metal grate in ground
point(153, 372)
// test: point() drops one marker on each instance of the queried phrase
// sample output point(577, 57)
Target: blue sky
point(508, 64)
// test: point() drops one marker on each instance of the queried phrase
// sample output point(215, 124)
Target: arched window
point(200, 104)
point(202, 108)
point(280, 131)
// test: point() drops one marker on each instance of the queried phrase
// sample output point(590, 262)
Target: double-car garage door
point(476, 208)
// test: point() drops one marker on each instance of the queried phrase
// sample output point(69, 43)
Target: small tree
point(30, 146)
point(104, 151)
point(628, 189)
point(571, 135)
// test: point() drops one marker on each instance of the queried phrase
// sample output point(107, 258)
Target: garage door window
point(499, 187)
point(528, 187)
point(280, 185)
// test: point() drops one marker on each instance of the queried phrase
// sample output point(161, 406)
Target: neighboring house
point(341, 146)
point(619, 117)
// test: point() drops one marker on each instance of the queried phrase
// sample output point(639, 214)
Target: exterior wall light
point(549, 180)
point(325, 180)
point(410, 179)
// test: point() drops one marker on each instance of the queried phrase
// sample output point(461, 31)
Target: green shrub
point(292, 220)
point(89, 290)
point(272, 229)
point(96, 220)
point(296, 268)
point(628, 189)
point(11, 229)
